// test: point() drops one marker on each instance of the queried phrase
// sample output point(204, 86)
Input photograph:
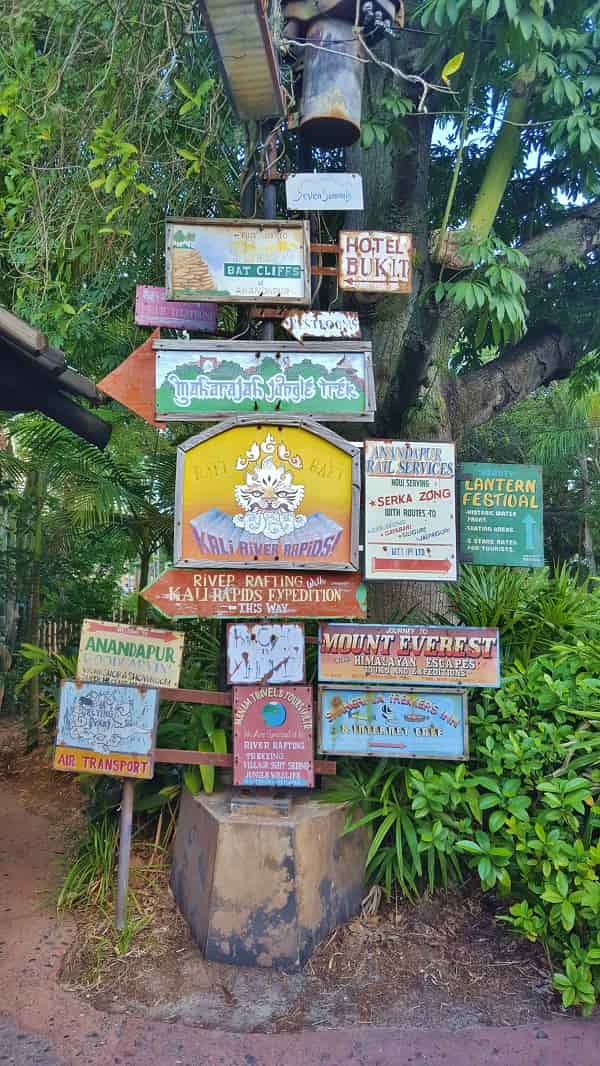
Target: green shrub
point(522, 815)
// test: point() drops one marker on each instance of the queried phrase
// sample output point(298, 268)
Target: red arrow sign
point(133, 382)
point(415, 565)
point(257, 594)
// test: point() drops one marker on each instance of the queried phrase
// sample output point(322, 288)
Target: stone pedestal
point(259, 888)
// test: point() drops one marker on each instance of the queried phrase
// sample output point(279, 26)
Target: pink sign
point(273, 736)
point(152, 309)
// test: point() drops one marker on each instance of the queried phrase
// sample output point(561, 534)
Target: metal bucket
point(331, 85)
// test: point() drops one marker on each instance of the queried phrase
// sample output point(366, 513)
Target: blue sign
point(402, 723)
point(107, 718)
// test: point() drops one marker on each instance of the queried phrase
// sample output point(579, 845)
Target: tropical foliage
point(522, 815)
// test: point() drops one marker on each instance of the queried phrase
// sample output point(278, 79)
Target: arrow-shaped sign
point(257, 594)
point(436, 565)
point(132, 383)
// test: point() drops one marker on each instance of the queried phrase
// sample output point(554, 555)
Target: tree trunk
point(142, 604)
point(588, 543)
point(37, 500)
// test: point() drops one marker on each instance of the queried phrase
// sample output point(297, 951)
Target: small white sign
point(265, 653)
point(324, 192)
point(410, 511)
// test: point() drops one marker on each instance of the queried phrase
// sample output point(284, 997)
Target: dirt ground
point(442, 963)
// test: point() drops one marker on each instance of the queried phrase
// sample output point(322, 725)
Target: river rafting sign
point(501, 514)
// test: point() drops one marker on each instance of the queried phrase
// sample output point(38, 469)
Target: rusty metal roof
point(241, 38)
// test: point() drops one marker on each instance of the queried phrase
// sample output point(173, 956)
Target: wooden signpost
point(324, 192)
point(257, 594)
point(153, 309)
point(374, 261)
point(501, 514)
point(130, 655)
point(197, 381)
point(273, 736)
point(265, 653)
point(410, 512)
point(401, 723)
point(267, 494)
point(109, 729)
point(414, 655)
point(132, 382)
point(238, 260)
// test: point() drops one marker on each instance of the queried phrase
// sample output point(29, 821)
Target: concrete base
point(260, 890)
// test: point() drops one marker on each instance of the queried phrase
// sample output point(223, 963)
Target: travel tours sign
point(374, 261)
point(273, 736)
point(267, 494)
point(501, 514)
point(410, 522)
point(106, 729)
point(257, 594)
point(413, 655)
point(131, 655)
point(207, 381)
point(238, 260)
point(403, 723)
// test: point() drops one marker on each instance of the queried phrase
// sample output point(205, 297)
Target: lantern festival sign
point(257, 594)
point(238, 260)
point(401, 723)
point(501, 514)
point(265, 653)
point(266, 494)
point(106, 729)
point(373, 261)
point(131, 655)
point(273, 736)
point(218, 380)
point(413, 655)
point(410, 512)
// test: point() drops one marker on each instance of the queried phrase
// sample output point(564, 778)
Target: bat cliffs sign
point(267, 494)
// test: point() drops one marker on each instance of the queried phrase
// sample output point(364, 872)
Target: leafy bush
point(522, 815)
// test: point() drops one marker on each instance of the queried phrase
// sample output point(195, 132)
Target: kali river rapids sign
point(402, 723)
point(238, 260)
point(501, 514)
point(257, 594)
point(106, 729)
point(410, 521)
point(206, 381)
point(267, 494)
point(273, 736)
point(392, 655)
point(131, 655)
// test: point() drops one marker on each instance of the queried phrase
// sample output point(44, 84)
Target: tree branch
point(544, 356)
point(558, 248)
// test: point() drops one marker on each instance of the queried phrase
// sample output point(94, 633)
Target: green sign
point(501, 514)
point(218, 379)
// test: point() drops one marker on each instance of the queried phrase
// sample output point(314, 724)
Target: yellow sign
point(76, 761)
point(267, 494)
point(129, 655)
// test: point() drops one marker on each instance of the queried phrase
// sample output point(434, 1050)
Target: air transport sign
point(410, 524)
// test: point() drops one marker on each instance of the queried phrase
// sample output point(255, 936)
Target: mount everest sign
point(267, 494)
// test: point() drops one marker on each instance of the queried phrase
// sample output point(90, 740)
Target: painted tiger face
point(269, 488)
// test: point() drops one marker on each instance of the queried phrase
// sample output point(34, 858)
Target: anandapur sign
point(132, 655)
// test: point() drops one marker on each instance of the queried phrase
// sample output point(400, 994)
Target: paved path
point(43, 1024)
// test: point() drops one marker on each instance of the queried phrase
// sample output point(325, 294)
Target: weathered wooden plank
point(193, 695)
point(325, 767)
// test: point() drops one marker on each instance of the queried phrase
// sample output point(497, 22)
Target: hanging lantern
point(331, 84)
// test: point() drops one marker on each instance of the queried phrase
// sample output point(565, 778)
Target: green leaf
point(492, 8)
point(567, 914)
